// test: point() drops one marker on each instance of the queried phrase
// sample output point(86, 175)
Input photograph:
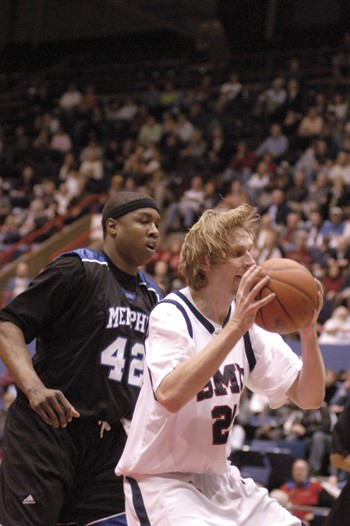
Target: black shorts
point(53, 475)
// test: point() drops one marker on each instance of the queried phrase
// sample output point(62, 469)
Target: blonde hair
point(207, 243)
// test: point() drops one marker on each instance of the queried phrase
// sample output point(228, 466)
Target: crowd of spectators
point(283, 147)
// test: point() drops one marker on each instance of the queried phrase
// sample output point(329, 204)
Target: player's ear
point(111, 226)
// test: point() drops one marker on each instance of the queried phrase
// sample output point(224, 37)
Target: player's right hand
point(52, 406)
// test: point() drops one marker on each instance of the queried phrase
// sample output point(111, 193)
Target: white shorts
point(202, 500)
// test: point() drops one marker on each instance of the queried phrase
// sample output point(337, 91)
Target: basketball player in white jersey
point(202, 349)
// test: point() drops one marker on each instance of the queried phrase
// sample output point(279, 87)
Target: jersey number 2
point(224, 416)
point(114, 357)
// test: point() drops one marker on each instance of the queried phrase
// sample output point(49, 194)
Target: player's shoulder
point(86, 255)
point(151, 286)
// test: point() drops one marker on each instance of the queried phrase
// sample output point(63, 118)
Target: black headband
point(125, 208)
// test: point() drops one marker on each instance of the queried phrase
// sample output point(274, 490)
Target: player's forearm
point(308, 391)
point(189, 377)
point(15, 356)
point(340, 462)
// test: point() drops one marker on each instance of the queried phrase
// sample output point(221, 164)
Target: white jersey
point(196, 439)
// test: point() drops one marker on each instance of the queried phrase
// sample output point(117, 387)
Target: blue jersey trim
point(249, 351)
point(184, 313)
point(86, 254)
point(138, 503)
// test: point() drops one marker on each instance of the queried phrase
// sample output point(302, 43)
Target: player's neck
point(213, 305)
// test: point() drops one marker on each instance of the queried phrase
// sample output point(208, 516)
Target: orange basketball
point(296, 296)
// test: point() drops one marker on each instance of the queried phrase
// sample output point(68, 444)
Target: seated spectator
point(334, 226)
point(276, 144)
point(150, 132)
point(190, 205)
point(316, 157)
point(268, 249)
point(313, 228)
point(61, 142)
point(230, 93)
point(271, 100)
point(311, 127)
point(242, 163)
point(278, 209)
point(235, 196)
point(313, 428)
point(319, 193)
point(341, 167)
point(92, 169)
point(259, 182)
point(304, 491)
point(293, 225)
point(299, 250)
point(336, 330)
point(342, 395)
point(71, 98)
point(298, 192)
point(17, 283)
point(35, 217)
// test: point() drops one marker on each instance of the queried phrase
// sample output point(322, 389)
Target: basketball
point(296, 296)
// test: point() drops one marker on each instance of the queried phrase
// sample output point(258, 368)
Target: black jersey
point(89, 320)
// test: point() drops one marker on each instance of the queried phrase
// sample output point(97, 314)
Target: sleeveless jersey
point(89, 331)
point(196, 439)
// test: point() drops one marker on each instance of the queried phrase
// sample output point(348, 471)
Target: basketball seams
point(293, 286)
point(261, 312)
point(296, 296)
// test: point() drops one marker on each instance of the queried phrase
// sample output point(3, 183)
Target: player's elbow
point(169, 402)
point(313, 401)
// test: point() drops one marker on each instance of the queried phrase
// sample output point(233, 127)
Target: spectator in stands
point(304, 491)
point(127, 109)
point(315, 158)
point(183, 128)
point(271, 100)
point(297, 193)
point(17, 283)
point(188, 208)
point(276, 143)
point(242, 163)
point(269, 248)
point(293, 101)
point(150, 132)
point(289, 230)
point(341, 167)
point(339, 105)
point(336, 330)
point(311, 127)
point(61, 142)
point(334, 226)
point(71, 98)
point(342, 395)
point(298, 250)
point(278, 209)
point(35, 217)
point(92, 169)
point(259, 182)
point(230, 93)
point(236, 195)
point(313, 429)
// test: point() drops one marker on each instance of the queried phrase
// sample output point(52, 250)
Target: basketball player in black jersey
point(88, 311)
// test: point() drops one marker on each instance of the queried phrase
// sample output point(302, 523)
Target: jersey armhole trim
point(249, 351)
point(184, 313)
